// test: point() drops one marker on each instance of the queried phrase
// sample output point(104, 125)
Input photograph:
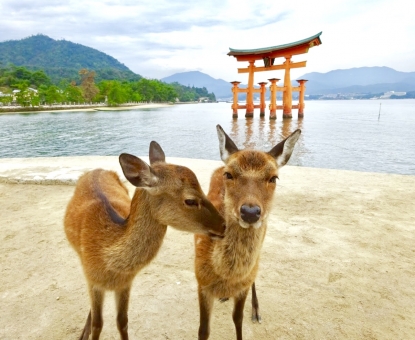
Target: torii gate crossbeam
point(268, 55)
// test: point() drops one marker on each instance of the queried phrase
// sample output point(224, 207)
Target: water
point(347, 135)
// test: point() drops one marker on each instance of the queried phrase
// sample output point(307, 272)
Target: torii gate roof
point(298, 47)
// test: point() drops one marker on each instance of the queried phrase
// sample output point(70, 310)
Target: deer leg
point(122, 298)
point(238, 313)
point(87, 328)
point(97, 300)
point(256, 317)
point(205, 307)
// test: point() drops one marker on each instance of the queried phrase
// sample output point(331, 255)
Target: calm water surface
point(346, 135)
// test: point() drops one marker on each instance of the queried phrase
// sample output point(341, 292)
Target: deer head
point(250, 178)
point(179, 198)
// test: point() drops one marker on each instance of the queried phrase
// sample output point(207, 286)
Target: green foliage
point(189, 94)
point(52, 95)
point(73, 93)
point(61, 59)
point(114, 92)
point(26, 96)
point(5, 98)
point(63, 71)
point(154, 90)
point(14, 76)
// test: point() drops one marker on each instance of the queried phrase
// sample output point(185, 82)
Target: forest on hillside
point(35, 88)
point(62, 59)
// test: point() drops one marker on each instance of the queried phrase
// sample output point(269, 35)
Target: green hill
point(61, 59)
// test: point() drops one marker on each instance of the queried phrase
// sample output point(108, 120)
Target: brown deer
point(115, 237)
point(242, 191)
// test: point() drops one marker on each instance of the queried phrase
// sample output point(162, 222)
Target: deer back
point(100, 202)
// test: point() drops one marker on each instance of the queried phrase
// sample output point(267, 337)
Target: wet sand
point(337, 261)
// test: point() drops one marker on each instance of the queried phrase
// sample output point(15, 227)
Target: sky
point(157, 38)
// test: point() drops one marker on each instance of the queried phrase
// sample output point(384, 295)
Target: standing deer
point(242, 191)
point(115, 237)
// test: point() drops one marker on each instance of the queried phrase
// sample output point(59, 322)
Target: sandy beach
point(87, 108)
point(337, 261)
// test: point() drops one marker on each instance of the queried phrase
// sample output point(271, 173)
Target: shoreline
point(89, 108)
point(65, 170)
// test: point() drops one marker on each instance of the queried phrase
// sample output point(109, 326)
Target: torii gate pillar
point(268, 56)
point(250, 94)
point(287, 97)
point(273, 104)
point(262, 105)
point(301, 103)
point(235, 91)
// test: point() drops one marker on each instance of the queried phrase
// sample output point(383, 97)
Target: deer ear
point(137, 172)
point(283, 150)
point(156, 153)
point(226, 145)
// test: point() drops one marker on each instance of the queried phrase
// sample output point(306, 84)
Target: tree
point(116, 94)
point(73, 93)
point(88, 86)
point(21, 72)
point(53, 95)
point(6, 98)
point(22, 95)
point(38, 78)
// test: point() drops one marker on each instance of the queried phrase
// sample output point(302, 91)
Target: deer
point(115, 236)
point(242, 190)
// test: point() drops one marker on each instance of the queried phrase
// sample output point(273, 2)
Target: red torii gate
point(268, 55)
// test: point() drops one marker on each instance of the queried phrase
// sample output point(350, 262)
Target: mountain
point(62, 59)
point(359, 80)
point(354, 80)
point(221, 88)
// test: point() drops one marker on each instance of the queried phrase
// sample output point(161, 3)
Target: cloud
point(157, 38)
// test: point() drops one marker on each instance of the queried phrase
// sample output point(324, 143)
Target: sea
point(360, 135)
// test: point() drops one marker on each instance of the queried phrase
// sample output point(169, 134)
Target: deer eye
point(191, 203)
point(273, 179)
point(228, 175)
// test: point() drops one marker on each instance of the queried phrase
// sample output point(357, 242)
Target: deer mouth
point(247, 225)
point(216, 235)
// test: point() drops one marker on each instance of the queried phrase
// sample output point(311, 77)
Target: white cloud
point(159, 38)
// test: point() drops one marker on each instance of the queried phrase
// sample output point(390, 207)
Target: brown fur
point(227, 267)
point(116, 237)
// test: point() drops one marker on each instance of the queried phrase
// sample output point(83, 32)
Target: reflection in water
point(272, 135)
point(300, 124)
point(263, 134)
point(262, 126)
point(234, 130)
point(286, 128)
point(249, 142)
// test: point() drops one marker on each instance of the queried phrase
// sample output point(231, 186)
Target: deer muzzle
point(250, 214)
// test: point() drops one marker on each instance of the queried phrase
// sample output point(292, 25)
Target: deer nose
point(250, 214)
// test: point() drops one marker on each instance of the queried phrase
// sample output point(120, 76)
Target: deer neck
point(238, 252)
point(143, 236)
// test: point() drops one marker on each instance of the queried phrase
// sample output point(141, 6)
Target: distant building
point(388, 94)
point(205, 100)
point(15, 92)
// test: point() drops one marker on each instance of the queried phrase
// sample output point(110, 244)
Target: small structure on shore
point(268, 55)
